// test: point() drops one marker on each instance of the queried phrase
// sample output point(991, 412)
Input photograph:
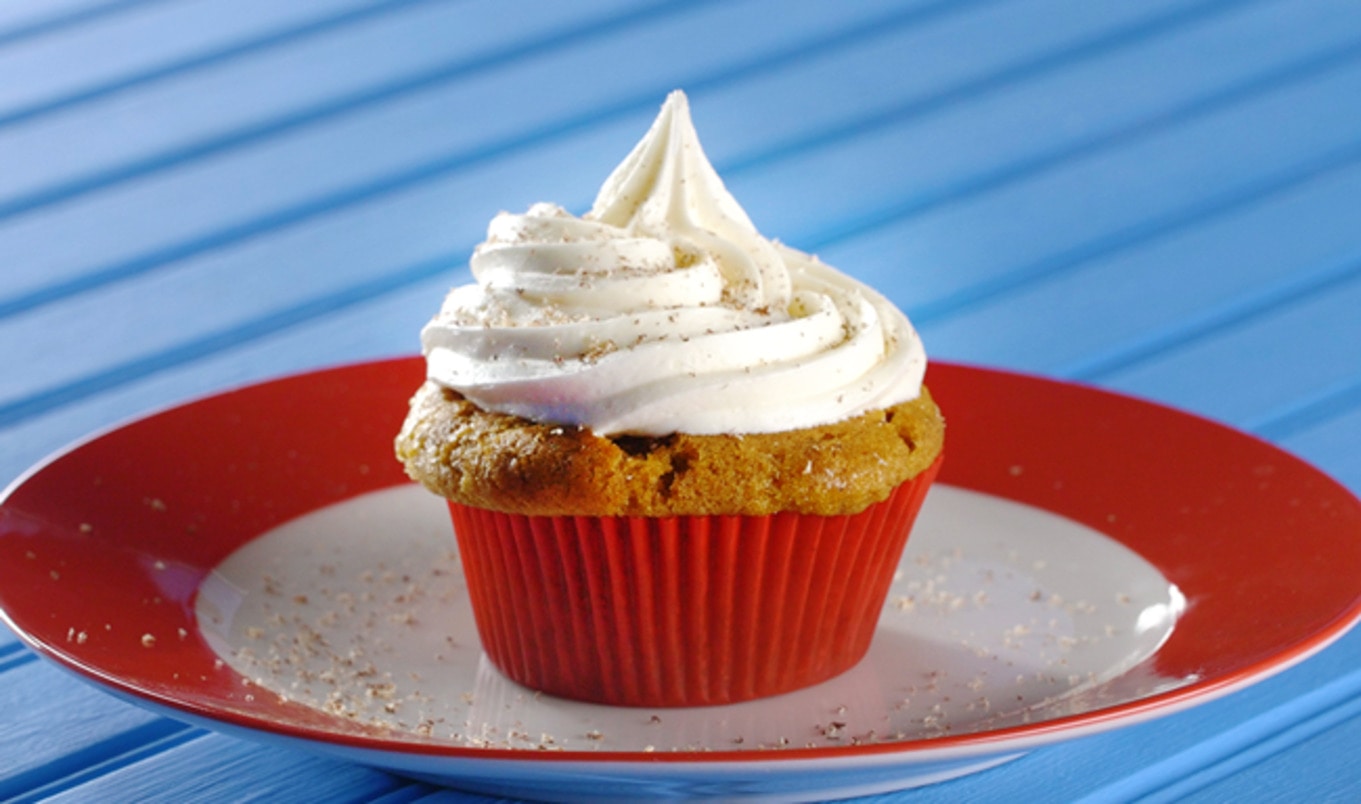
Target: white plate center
point(1002, 614)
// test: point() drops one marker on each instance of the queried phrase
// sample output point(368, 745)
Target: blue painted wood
point(24, 20)
point(155, 211)
point(56, 725)
point(1099, 203)
point(39, 72)
point(453, 797)
point(989, 114)
point(1311, 769)
point(165, 219)
point(220, 763)
point(306, 74)
point(1141, 301)
point(1271, 361)
point(1158, 197)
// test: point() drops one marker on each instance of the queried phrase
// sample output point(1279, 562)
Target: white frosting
point(663, 310)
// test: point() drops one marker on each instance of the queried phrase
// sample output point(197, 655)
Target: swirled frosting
point(663, 310)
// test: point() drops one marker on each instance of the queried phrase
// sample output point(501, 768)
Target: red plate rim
point(1265, 547)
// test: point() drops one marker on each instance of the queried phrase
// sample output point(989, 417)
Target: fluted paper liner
point(681, 611)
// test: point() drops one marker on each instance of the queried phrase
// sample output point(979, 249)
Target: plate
point(1087, 561)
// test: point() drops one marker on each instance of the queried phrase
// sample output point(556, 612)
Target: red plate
point(103, 547)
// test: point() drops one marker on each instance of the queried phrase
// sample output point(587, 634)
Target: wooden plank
point(1259, 369)
point(977, 120)
point(457, 797)
point(897, 73)
point(977, 247)
point(1267, 775)
point(224, 768)
point(1141, 301)
point(411, 140)
point(143, 38)
point(296, 76)
point(62, 725)
point(31, 19)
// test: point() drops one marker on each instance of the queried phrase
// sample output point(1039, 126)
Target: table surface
point(1161, 197)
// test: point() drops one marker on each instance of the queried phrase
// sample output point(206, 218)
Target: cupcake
point(682, 460)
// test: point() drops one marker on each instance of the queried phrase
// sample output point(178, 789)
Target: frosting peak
point(664, 310)
point(666, 188)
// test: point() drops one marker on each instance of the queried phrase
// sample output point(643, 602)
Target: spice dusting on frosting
point(663, 310)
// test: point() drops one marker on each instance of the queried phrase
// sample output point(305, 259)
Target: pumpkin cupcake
point(682, 460)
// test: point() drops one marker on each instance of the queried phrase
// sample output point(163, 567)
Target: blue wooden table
point(1161, 197)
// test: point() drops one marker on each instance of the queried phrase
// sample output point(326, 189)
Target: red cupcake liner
point(681, 611)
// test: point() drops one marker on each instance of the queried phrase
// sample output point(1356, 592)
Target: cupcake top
point(506, 463)
point(663, 310)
